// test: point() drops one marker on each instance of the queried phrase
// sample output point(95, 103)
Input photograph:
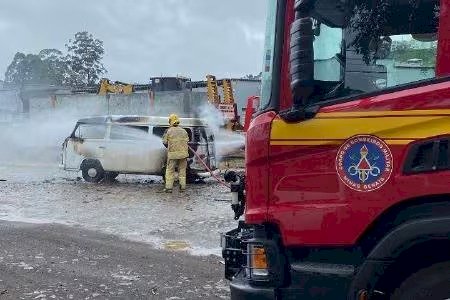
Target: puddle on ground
point(176, 245)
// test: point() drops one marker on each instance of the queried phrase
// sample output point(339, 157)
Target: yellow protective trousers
point(170, 172)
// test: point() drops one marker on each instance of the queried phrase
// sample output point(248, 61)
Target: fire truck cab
point(346, 193)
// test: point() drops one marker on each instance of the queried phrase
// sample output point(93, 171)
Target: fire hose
point(236, 186)
point(209, 170)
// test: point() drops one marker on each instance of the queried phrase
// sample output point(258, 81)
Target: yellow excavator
point(228, 106)
point(108, 87)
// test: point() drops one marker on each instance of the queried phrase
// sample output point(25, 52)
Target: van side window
point(160, 130)
point(122, 132)
point(90, 131)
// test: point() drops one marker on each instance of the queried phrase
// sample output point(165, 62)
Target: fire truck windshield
point(379, 45)
point(267, 72)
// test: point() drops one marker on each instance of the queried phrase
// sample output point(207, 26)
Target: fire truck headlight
point(257, 261)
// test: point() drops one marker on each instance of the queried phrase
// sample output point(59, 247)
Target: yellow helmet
point(174, 120)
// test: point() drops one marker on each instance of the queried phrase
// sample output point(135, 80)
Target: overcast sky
point(143, 38)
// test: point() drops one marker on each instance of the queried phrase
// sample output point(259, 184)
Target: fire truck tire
point(431, 283)
point(92, 171)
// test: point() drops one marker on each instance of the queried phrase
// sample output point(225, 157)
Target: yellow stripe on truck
point(365, 114)
point(324, 142)
point(394, 127)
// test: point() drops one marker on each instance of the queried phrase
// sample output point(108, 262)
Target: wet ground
point(63, 238)
point(130, 207)
point(61, 262)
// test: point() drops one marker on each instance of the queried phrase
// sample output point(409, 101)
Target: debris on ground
point(130, 208)
point(222, 200)
point(176, 245)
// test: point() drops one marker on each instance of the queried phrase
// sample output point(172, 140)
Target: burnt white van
point(106, 146)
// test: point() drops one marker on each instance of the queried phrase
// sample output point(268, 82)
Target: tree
point(56, 64)
point(15, 73)
point(84, 59)
point(81, 66)
point(373, 20)
point(253, 77)
point(27, 69)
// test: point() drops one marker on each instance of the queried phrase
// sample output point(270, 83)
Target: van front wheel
point(92, 171)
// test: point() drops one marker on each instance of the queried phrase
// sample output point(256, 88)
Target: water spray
point(207, 168)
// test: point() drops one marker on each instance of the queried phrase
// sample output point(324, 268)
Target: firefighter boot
point(182, 165)
point(170, 176)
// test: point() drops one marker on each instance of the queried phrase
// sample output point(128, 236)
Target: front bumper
point(241, 289)
point(323, 282)
point(301, 280)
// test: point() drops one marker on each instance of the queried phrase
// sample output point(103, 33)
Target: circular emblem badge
point(364, 163)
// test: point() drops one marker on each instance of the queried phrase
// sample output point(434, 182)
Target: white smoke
point(38, 138)
point(35, 141)
point(213, 116)
point(226, 142)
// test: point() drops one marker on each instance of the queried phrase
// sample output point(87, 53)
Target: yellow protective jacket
point(176, 139)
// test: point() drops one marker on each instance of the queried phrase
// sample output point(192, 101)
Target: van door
point(137, 149)
point(115, 152)
point(71, 159)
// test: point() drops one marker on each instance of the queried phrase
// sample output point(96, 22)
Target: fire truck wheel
point(431, 283)
point(92, 171)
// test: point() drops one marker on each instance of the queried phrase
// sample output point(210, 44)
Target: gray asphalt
point(46, 261)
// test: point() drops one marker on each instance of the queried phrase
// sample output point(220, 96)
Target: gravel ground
point(63, 238)
point(131, 207)
point(61, 262)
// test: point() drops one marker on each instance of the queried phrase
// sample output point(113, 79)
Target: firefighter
point(176, 141)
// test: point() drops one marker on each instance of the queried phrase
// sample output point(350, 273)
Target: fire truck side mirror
point(301, 56)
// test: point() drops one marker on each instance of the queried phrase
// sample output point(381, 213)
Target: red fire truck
point(346, 193)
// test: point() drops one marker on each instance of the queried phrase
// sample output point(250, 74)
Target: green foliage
point(81, 66)
point(56, 65)
point(404, 52)
point(372, 21)
point(84, 58)
point(27, 69)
